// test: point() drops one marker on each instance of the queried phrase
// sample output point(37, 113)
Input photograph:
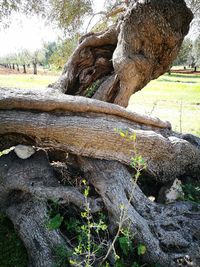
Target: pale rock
point(169, 194)
point(24, 152)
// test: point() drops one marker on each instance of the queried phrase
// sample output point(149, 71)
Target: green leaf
point(124, 243)
point(141, 249)
point(122, 134)
point(55, 222)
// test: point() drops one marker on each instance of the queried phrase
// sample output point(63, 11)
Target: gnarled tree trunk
point(110, 66)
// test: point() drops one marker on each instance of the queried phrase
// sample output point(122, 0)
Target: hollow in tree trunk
point(108, 66)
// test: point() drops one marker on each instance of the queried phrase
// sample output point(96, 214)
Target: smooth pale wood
point(92, 134)
point(53, 100)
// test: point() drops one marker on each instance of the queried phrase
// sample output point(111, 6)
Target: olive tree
point(65, 126)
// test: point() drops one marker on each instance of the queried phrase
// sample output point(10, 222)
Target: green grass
point(175, 98)
point(26, 80)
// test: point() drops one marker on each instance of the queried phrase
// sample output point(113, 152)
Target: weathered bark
point(25, 188)
point(82, 128)
point(29, 218)
point(28, 212)
point(141, 47)
point(170, 232)
point(65, 123)
point(123, 59)
point(149, 40)
point(90, 61)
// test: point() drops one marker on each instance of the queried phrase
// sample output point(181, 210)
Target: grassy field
point(174, 97)
point(26, 80)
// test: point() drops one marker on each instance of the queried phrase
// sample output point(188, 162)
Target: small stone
point(24, 152)
point(171, 192)
point(151, 198)
point(175, 192)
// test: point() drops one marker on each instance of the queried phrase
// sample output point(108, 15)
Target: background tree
point(194, 55)
point(79, 133)
point(37, 57)
point(63, 51)
point(49, 49)
point(24, 58)
point(194, 5)
point(184, 53)
point(196, 51)
point(17, 60)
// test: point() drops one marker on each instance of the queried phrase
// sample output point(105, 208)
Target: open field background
point(12, 78)
point(174, 97)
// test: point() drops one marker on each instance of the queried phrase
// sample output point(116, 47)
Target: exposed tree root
point(124, 58)
point(170, 232)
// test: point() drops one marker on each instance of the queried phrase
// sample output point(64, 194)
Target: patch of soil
point(4, 71)
point(8, 71)
point(185, 71)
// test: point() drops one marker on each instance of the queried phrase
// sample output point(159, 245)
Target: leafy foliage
point(184, 53)
point(68, 15)
point(92, 89)
point(141, 249)
point(63, 51)
point(55, 222)
point(192, 192)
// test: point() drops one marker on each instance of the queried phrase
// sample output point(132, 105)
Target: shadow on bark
point(123, 59)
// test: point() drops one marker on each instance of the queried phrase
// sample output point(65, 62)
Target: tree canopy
point(70, 15)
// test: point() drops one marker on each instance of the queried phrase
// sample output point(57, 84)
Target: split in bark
point(157, 145)
point(139, 48)
point(123, 59)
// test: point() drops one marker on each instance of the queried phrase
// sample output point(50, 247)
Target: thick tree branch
point(169, 232)
point(92, 134)
point(139, 48)
point(51, 101)
point(25, 187)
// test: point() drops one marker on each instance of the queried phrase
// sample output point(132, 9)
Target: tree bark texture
point(139, 48)
point(63, 122)
point(170, 231)
point(92, 132)
point(110, 66)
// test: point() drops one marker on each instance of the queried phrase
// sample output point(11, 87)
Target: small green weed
point(92, 240)
point(55, 222)
point(92, 89)
point(55, 218)
point(192, 192)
